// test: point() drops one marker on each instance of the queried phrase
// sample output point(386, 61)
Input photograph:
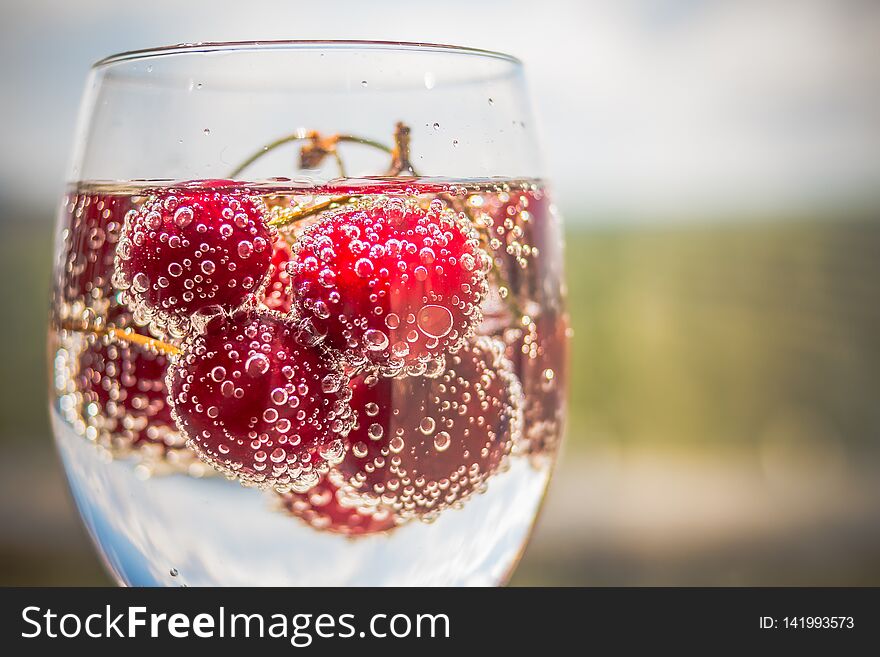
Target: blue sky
point(646, 107)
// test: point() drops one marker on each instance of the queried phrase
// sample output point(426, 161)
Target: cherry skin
point(190, 251)
point(326, 508)
point(392, 285)
point(259, 402)
point(424, 444)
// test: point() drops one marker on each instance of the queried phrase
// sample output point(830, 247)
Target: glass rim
point(299, 44)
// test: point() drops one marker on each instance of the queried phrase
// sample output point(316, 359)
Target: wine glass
point(308, 321)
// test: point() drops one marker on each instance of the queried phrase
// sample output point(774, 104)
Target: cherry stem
point(400, 153)
point(321, 146)
point(124, 335)
point(339, 163)
point(288, 216)
point(302, 135)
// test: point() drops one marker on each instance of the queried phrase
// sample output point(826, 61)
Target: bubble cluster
point(512, 216)
point(114, 392)
point(183, 252)
point(391, 284)
point(522, 233)
point(259, 402)
point(277, 292)
point(89, 246)
point(538, 349)
point(421, 444)
point(326, 508)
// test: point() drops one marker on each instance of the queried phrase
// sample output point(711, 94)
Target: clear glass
point(308, 323)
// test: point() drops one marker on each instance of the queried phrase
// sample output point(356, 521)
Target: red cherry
point(390, 283)
point(423, 444)
point(93, 225)
point(184, 252)
point(277, 295)
point(118, 392)
point(326, 508)
point(260, 404)
point(539, 352)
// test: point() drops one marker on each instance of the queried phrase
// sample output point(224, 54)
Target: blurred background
point(718, 166)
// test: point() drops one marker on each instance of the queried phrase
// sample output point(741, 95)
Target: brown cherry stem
point(313, 152)
point(317, 148)
point(124, 335)
point(400, 153)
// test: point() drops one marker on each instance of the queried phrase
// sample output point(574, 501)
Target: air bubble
point(375, 340)
point(363, 268)
point(140, 282)
point(183, 217)
point(245, 249)
point(257, 365)
point(331, 383)
point(321, 309)
point(435, 321)
point(442, 441)
point(427, 425)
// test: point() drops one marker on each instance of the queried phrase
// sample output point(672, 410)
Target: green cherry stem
point(314, 152)
point(288, 216)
